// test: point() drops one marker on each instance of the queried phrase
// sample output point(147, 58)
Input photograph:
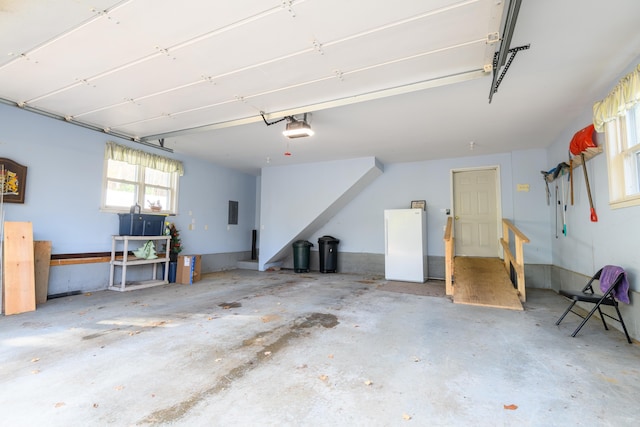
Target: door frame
point(496, 168)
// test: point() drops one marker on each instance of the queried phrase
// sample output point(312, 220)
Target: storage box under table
point(188, 269)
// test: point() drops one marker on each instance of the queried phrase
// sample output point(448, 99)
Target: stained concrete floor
point(244, 348)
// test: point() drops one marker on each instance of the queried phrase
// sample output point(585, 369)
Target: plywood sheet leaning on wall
point(18, 264)
point(42, 259)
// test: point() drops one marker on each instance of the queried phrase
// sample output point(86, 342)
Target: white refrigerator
point(405, 245)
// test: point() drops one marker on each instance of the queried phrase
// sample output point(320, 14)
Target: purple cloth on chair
point(609, 275)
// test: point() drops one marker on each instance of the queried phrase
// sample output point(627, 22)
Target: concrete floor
point(243, 348)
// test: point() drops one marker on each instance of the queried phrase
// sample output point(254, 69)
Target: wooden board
point(19, 274)
point(485, 282)
point(42, 258)
point(87, 260)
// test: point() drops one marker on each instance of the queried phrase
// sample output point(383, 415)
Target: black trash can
point(301, 255)
point(328, 249)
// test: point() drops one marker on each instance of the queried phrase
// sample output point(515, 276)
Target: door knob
point(457, 217)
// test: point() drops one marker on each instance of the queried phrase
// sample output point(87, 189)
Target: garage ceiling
point(402, 81)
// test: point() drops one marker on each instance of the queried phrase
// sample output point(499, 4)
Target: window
point(623, 154)
point(131, 178)
point(618, 115)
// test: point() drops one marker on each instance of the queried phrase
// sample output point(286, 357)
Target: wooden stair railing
point(518, 261)
point(448, 256)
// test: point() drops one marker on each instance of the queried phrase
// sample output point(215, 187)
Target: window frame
point(140, 185)
point(622, 136)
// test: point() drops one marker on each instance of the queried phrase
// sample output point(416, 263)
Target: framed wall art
point(419, 204)
point(13, 181)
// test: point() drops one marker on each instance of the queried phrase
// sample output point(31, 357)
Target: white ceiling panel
point(417, 69)
point(150, 67)
point(150, 58)
point(369, 80)
point(277, 75)
point(424, 34)
point(124, 113)
point(190, 98)
point(167, 23)
point(27, 80)
point(27, 24)
point(132, 83)
point(247, 45)
point(194, 119)
point(315, 85)
point(103, 45)
point(331, 20)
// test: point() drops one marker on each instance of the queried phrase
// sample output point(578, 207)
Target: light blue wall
point(614, 238)
point(359, 226)
point(530, 207)
point(205, 191)
point(65, 176)
point(298, 199)
point(64, 179)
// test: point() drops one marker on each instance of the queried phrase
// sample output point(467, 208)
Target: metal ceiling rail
point(84, 125)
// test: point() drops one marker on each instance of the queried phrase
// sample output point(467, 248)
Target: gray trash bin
point(301, 255)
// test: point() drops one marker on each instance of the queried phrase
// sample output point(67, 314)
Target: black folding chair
point(588, 295)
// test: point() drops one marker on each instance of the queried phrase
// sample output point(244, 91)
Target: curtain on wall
point(625, 95)
point(123, 153)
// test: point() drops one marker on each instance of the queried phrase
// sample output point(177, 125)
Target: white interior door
point(475, 194)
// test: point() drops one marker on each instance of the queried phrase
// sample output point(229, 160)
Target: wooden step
point(485, 282)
